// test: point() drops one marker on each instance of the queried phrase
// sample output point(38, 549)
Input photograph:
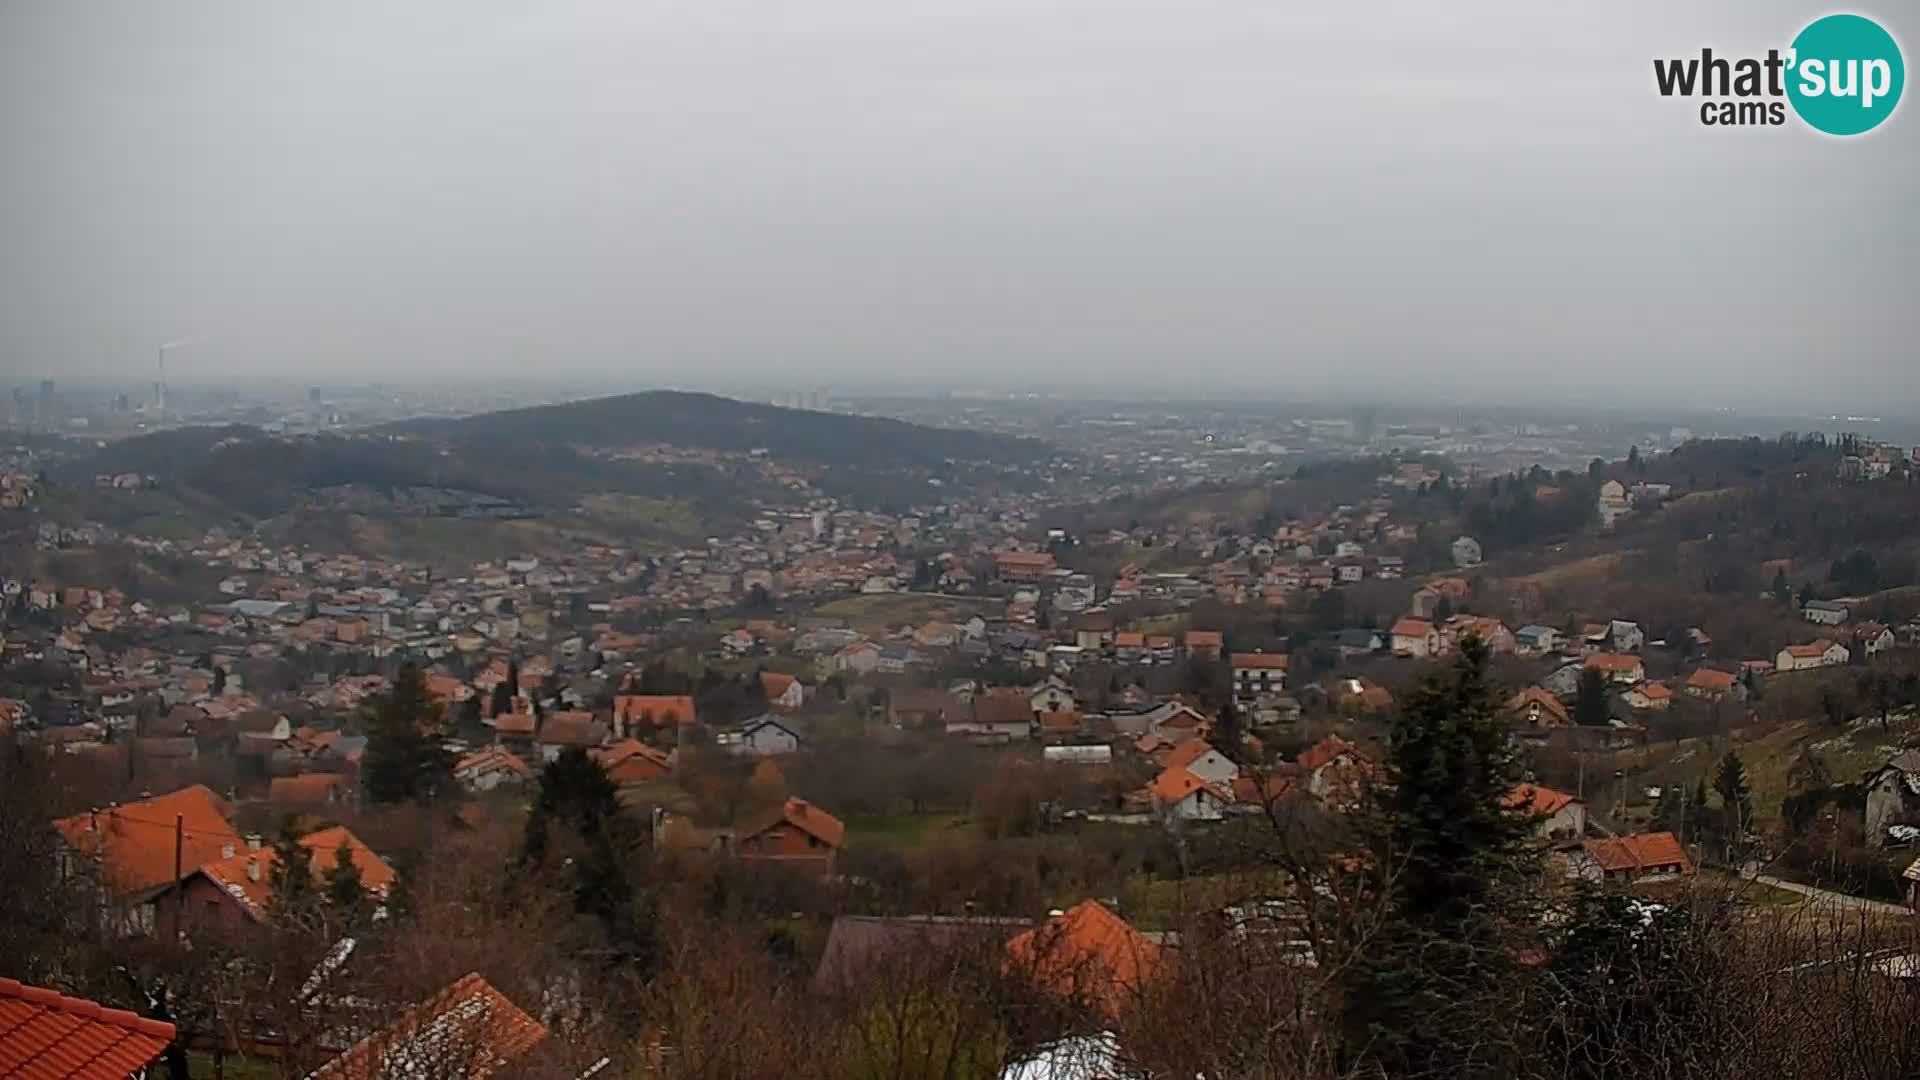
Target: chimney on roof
point(253, 841)
point(1056, 913)
point(253, 869)
point(226, 851)
point(93, 819)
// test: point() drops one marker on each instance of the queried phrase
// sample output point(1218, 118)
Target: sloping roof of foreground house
point(45, 1035)
point(467, 1030)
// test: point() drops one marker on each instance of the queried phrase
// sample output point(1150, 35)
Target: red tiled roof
point(1612, 662)
point(1087, 945)
point(45, 1035)
point(1534, 695)
point(1272, 661)
point(1186, 754)
point(1638, 851)
point(1324, 751)
point(806, 817)
point(660, 709)
point(135, 841)
point(1128, 640)
point(240, 879)
point(1411, 628)
point(1539, 800)
point(1204, 638)
point(1710, 680)
point(1175, 784)
point(469, 1029)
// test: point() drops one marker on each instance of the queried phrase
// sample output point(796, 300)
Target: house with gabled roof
point(1179, 795)
point(1200, 758)
point(469, 1030)
point(1538, 710)
point(1561, 816)
point(1087, 953)
point(1712, 684)
point(796, 833)
point(1632, 858)
point(491, 767)
point(238, 890)
point(146, 847)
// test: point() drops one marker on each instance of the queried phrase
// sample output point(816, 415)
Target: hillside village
point(831, 689)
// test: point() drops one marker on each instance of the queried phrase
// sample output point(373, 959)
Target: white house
point(766, 735)
point(1824, 612)
point(1179, 795)
point(1626, 637)
point(1561, 815)
point(1202, 760)
point(1259, 673)
point(1415, 637)
point(1051, 696)
point(1536, 640)
point(1816, 654)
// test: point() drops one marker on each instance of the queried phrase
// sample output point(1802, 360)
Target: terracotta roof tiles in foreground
point(468, 1030)
point(45, 1035)
point(1087, 951)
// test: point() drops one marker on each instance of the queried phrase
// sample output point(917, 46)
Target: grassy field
point(899, 831)
point(1768, 756)
point(905, 609)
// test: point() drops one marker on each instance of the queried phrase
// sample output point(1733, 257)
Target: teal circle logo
point(1845, 74)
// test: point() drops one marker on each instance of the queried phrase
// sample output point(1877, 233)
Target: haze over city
point(1485, 201)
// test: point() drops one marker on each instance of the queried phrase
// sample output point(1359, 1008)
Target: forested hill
point(707, 421)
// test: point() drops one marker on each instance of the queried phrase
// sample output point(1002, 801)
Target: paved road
point(1825, 897)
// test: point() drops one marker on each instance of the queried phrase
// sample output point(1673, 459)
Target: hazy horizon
point(1387, 203)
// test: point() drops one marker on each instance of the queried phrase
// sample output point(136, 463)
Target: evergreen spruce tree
point(1736, 804)
point(345, 892)
point(294, 889)
point(406, 758)
point(1590, 707)
point(577, 795)
point(1458, 866)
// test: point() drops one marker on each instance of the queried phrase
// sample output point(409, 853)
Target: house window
point(813, 841)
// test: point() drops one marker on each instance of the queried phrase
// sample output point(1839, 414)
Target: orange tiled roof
point(1272, 661)
point(45, 1035)
point(1178, 782)
point(806, 817)
point(1129, 640)
point(1411, 628)
point(1205, 638)
point(1324, 751)
point(1638, 851)
point(1087, 949)
point(1534, 695)
point(1710, 680)
point(1612, 662)
point(248, 875)
point(1186, 754)
point(661, 709)
point(1539, 800)
point(135, 841)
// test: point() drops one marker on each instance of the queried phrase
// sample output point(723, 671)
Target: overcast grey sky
point(1383, 198)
